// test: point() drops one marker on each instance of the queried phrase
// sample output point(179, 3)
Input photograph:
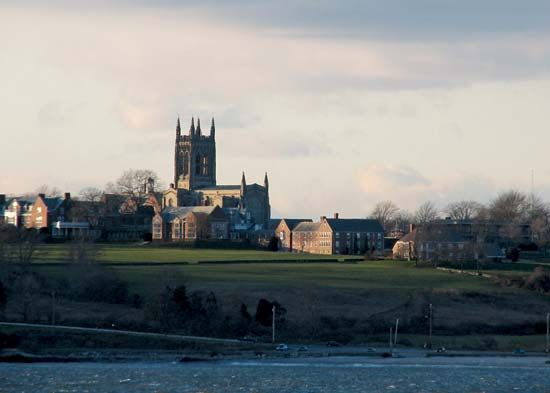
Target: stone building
point(284, 232)
point(454, 240)
point(246, 205)
point(191, 223)
point(331, 236)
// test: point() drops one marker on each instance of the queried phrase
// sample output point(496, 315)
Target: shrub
point(539, 280)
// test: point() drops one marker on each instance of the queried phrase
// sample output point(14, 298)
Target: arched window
point(186, 164)
point(205, 165)
point(198, 164)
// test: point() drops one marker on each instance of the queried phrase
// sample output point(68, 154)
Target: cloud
point(409, 188)
point(390, 19)
point(380, 182)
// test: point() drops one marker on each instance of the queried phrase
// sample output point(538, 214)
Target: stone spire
point(266, 182)
point(192, 128)
point(243, 185)
point(213, 129)
point(198, 126)
point(178, 130)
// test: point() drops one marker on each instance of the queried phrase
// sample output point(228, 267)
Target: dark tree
point(3, 296)
point(263, 312)
point(273, 244)
point(180, 298)
point(244, 314)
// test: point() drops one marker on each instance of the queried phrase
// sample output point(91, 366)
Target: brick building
point(331, 236)
point(284, 232)
point(190, 223)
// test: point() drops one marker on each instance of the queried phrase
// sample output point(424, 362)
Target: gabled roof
point(293, 222)
point(433, 234)
point(307, 227)
point(53, 203)
point(171, 213)
point(354, 225)
point(273, 223)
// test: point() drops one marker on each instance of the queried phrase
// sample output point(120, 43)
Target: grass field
point(354, 299)
point(157, 254)
point(388, 275)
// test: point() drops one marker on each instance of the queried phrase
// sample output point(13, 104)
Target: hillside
point(354, 301)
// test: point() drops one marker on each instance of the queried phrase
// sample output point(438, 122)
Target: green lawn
point(386, 275)
point(151, 254)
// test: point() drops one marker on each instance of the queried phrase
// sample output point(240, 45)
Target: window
point(204, 169)
point(198, 164)
point(186, 164)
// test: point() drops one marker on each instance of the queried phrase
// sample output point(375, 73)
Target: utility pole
point(273, 325)
point(430, 326)
point(53, 307)
point(395, 338)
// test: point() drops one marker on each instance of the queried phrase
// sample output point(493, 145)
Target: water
point(290, 375)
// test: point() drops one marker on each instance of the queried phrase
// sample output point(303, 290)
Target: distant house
point(433, 244)
point(332, 236)
point(447, 240)
point(190, 223)
point(283, 231)
point(30, 212)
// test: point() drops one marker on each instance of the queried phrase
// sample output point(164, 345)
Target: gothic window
point(198, 164)
point(205, 165)
point(186, 164)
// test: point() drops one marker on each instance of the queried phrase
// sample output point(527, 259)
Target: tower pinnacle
point(213, 129)
point(198, 126)
point(192, 128)
point(178, 129)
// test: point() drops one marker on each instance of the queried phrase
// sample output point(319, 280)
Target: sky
point(344, 103)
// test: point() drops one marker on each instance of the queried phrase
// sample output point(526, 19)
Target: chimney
point(2, 199)
point(411, 227)
point(67, 195)
point(336, 216)
point(41, 195)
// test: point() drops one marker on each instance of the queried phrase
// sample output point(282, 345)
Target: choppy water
point(290, 375)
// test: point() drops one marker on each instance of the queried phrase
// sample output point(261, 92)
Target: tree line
point(509, 207)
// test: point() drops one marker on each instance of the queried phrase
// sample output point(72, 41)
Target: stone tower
point(195, 157)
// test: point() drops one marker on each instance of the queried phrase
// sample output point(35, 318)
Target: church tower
point(195, 157)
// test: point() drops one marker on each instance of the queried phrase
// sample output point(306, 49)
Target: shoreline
point(130, 356)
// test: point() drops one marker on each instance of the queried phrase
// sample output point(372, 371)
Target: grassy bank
point(347, 302)
point(113, 254)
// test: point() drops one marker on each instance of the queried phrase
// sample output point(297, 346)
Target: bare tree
point(463, 210)
point(509, 206)
point(426, 213)
point(403, 219)
point(540, 229)
point(84, 251)
point(49, 191)
point(90, 194)
point(18, 245)
point(132, 182)
point(385, 213)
